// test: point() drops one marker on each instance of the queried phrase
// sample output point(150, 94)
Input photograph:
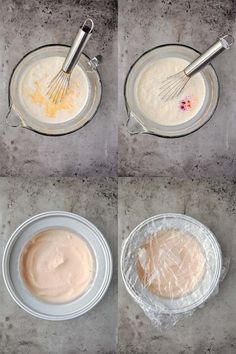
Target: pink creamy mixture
point(57, 265)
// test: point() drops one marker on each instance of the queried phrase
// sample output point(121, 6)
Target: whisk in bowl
point(58, 86)
point(173, 85)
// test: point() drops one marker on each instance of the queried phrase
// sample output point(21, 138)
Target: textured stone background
point(26, 25)
point(212, 329)
point(211, 151)
point(95, 332)
point(92, 151)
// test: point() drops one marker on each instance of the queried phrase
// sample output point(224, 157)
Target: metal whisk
point(58, 86)
point(174, 84)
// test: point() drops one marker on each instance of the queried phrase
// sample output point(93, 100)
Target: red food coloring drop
point(186, 104)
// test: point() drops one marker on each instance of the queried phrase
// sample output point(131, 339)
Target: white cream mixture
point(57, 265)
point(177, 110)
point(34, 87)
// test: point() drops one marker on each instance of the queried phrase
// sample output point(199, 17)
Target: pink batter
point(57, 265)
point(171, 263)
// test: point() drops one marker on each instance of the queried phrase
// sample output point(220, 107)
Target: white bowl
point(78, 225)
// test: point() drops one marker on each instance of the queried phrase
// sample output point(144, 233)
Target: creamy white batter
point(177, 110)
point(171, 263)
point(57, 265)
point(34, 87)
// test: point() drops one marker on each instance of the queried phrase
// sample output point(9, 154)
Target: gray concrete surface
point(211, 329)
point(211, 151)
point(95, 332)
point(26, 25)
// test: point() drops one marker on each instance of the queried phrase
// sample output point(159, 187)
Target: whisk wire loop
point(173, 86)
point(58, 87)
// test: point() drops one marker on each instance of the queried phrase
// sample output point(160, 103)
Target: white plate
point(76, 224)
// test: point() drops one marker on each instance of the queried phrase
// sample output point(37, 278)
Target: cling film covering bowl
point(27, 120)
point(165, 311)
point(102, 265)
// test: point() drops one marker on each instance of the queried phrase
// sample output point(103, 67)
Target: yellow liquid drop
point(50, 107)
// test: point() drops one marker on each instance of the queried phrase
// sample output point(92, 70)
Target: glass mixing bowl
point(138, 123)
point(18, 114)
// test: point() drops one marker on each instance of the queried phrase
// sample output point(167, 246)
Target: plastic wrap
point(171, 264)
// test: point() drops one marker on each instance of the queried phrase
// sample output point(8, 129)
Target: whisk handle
point(78, 46)
point(218, 47)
